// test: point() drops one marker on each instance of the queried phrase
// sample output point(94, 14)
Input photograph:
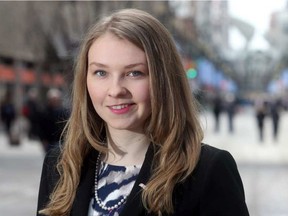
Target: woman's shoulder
point(213, 160)
point(210, 153)
point(215, 185)
point(52, 155)
point(49, 167)
point(208, 149)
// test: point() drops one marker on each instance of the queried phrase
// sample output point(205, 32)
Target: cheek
point(93, 92)
point(144, 95)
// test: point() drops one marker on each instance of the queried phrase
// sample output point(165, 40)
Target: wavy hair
point(173, 126)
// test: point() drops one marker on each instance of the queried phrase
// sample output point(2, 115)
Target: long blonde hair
point(173, 126)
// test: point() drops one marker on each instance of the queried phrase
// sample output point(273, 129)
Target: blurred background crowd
point(39, 42)
point(238, 74)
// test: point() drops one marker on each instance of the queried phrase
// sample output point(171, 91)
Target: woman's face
point(118, 83)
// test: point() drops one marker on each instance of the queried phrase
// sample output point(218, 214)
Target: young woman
point(133, 141)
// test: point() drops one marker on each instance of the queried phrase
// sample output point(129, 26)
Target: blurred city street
point(232, 55)
point(263, 166)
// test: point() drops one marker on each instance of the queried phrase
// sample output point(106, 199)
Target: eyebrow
point(106, 66)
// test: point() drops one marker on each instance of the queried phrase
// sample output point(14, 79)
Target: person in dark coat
point(261, 112)
point(52, 120)
point(217, 109)
point(32, 111)
point(275, 110)
point(231, 109)
point(133, 142)
point(8, 116)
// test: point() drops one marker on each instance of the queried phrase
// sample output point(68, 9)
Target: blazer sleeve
point(49, 178)
point(223, 192)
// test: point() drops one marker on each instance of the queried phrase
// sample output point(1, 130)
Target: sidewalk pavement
point(26, 148)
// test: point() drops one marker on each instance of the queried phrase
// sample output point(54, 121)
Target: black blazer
point(213, 189)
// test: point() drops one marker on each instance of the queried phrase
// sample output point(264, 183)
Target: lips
point(118, 107)
point(121, 108)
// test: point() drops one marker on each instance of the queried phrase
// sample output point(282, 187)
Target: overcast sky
point(257, 13)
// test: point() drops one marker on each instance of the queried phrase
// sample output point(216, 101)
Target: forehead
point(109, 47)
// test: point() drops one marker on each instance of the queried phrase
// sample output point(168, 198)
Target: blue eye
point(100, 73)
point(135, 73)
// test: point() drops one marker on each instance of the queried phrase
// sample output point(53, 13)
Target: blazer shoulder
point(216, 161)
point(211, 151)
point(51, 159)
point(211, 155)
point(53, 154)
point(221, 184)
point(213, 188)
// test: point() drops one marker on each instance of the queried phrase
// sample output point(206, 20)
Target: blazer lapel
point(85, 188)
point(133, 205)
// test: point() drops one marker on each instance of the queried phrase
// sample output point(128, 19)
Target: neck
point(126, 148)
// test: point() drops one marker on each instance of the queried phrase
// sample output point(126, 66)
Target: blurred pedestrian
point(217, 109)
point(32, 111)
point(8, 117)
point(132, 145)
point(261, 112)
point(231, 108)
point(52, 120)
point(275, 109)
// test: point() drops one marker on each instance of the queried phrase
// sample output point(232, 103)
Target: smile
point(121, 108)
point(118, 107)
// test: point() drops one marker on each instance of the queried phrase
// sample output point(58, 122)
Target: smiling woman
point(118, 83)
point(132, 145)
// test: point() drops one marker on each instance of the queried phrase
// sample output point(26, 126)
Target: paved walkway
point(20, 169)
point(26, 148)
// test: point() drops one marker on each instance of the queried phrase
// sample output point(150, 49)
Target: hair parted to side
point(173, 126)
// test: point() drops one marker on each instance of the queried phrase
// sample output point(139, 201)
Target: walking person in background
point(32, 111)
point(132, 145)
point(8, 116)
point(52, 120)
point(261, 111)
point(217, 109)
point(231, 108)
point(275, 109)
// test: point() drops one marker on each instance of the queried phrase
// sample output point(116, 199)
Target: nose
point(117, 88)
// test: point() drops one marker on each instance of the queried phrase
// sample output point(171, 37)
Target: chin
point(120, 127)
point(124, 127)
